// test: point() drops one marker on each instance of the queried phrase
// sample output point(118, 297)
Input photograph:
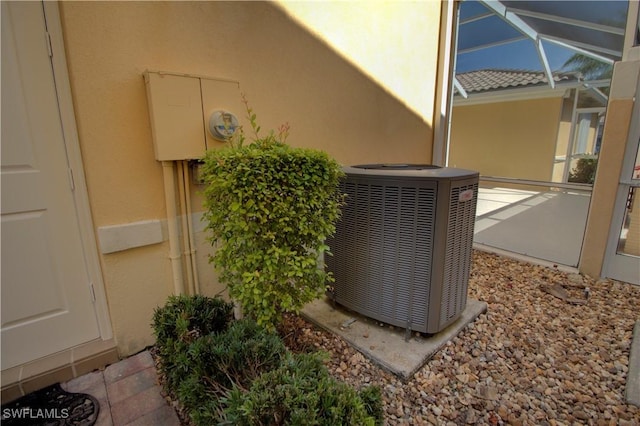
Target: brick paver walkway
point(128, 392)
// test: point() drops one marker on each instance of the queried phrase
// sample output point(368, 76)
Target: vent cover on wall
point(402, 249)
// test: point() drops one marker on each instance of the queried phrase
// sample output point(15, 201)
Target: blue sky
point(517, 55)
point(478, 29)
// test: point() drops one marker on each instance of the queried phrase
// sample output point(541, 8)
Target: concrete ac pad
point(385, 345)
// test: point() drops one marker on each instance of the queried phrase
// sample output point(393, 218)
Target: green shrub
point(372, 398)
point(185, 317)
point(237, 356)
point(271, 207)
point(182, 320)
point(238, 372)
point(301, 392)
point(219, 362)
point(584, 171)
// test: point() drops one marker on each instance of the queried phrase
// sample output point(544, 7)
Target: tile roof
point(497, 79)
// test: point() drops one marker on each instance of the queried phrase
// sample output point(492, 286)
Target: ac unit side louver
point(402, 248)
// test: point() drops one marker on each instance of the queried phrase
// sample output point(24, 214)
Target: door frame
point(612, 261)
point(620, 266)
point(74, 157)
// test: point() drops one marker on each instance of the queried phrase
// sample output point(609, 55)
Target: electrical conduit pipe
point(172, 225)
point(192, 244)
point(185, 227)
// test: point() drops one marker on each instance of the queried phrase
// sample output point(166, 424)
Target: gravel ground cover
point(552, 349)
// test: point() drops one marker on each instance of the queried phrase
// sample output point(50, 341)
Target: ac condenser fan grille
point(401, 252)
point(379, 221)
point(459, 250)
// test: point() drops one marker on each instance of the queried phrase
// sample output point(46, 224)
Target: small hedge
point(220, 362)
point(270, 208)
point(237, 372)
point(585, 171)
point(301, 392)
point(181, 321)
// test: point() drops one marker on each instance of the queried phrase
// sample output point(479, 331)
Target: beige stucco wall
point(614, 140)
point(288, 76)
point(514, 139)
point(375, 33)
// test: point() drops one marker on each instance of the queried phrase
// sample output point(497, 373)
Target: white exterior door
point(47, 301)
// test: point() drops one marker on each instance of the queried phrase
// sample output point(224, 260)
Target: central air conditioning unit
point(403, 246)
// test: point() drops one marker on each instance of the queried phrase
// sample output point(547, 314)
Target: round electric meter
point(222, 125)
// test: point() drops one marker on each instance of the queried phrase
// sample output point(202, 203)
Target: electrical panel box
point(180, 107)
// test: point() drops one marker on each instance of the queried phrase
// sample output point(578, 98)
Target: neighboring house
point(86, 214)
point(512, 125)
point(521, 133)
point(529, 128)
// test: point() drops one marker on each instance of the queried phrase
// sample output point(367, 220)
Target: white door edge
point(74, 157)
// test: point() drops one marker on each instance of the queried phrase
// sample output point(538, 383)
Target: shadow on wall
point(287, 74)
point(329, 102)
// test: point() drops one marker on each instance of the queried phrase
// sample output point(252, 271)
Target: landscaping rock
point(532, 359)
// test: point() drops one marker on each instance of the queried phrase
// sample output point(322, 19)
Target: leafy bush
point(218, 362)
point(585, 171)
point(372, 398)
point(271, 207)
point(301, 392)
point(185, 317)
point(240, 373)
point(179, 322)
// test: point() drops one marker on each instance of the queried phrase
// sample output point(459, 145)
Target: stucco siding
point(514, 139)
point(605, 188)
point(287, 74)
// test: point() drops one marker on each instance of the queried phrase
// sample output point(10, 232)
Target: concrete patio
point(547, 225)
